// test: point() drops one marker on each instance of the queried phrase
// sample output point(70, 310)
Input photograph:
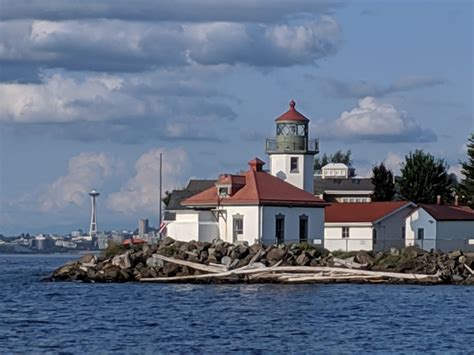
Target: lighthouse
point(292, 152)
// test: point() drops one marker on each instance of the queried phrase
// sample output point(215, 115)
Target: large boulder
point(154, 262)
point(275, 254)
point(362, 257)
point(122, 261)
point(88, 260)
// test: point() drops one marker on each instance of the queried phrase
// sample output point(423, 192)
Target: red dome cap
point(292, 115)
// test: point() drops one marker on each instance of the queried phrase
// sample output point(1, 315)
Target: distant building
point(142, 227)
point(366, 226)
point(102, 241)
point(338, 183)
point(444, 227)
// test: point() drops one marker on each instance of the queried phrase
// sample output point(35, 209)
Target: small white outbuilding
point(366, 226)
point(444, 227)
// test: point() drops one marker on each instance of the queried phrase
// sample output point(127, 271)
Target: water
point(49, 317)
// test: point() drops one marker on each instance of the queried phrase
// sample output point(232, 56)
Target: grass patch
point(113, 249)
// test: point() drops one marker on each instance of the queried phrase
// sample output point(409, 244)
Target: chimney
point(438, 200)
point(456, 200)
point(256, 164)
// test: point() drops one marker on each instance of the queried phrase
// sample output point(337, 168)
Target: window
point(280, 228)
point(374, 235)
point(403, 232)
point(421, 233)
point(293, 164)
point(237, 227)
point(345, 232)
point(303, 228)
point(223, 191)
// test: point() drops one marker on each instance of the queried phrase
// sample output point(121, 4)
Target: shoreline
point(174, 261)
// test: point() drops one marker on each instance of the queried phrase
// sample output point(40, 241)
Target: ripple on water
point(73, 317)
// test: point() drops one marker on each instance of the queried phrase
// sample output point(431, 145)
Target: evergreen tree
point(467, 183)
point(338, 157)
point(424, 178)
point(384, 187)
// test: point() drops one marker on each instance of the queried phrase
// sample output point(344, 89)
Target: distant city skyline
point(91, 95)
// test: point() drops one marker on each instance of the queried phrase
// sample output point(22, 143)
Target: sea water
point(38, 316)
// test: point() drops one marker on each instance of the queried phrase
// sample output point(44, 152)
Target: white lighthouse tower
point(93, 227)
point(292, 152)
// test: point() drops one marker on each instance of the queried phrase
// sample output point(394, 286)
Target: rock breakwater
point(222, 262)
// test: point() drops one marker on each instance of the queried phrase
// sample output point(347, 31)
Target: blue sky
point(91, 94)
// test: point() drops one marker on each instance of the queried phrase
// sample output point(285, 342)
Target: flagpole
point(161, 191)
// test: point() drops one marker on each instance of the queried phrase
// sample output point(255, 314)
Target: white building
point(366, 226)
point(337, 171)
point(444, 227)
point(255, 207)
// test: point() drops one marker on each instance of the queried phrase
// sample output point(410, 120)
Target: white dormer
point(337, 171)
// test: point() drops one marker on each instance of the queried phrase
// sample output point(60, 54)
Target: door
point(303, 229)
point(280, 229)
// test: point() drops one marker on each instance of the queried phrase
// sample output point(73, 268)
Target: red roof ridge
point(363, 212)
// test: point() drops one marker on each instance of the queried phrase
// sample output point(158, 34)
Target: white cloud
point(376, 120)
point(116, 45)
point(62, 98)
point(86, 171)
point(393, 162)
point(140, 193)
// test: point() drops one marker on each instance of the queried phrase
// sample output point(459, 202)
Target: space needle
point(93, 227)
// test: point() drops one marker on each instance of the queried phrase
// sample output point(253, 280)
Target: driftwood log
point(292, 274)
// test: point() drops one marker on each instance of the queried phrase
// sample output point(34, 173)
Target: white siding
point(360, 238)
point(453, 235)
point(185, 227)
point(292, 218)
point(280, 166)
point(250, 223)
point(420, 219)
point(390, 232)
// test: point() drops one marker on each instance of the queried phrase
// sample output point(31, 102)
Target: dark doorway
point(280, 229)
point(303, 229)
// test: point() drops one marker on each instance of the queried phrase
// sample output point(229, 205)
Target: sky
point(92, 92)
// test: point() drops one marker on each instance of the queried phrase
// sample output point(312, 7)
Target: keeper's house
point(444, 227)
point(255, 207)
point(366, 226)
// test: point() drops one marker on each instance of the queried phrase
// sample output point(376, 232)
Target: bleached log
point(241, 271)
point(332, 278)
point(469, 269)
point(352, 271)
point(220, 266)
point(348, 264)
point(196, 266)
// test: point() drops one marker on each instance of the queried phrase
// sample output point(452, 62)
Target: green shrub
point(114, 248)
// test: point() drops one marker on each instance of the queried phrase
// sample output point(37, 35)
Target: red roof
point(292, 115)
point(260, 188)
point(362, 212)
point(449, 212)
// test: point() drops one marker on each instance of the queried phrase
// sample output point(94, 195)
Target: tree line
point(422, 178)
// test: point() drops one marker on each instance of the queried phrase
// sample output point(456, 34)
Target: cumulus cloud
point(140, 193)
point(86, 171)
point(374, 120)
point(168, 104)
point(362, 88)
point(393, 161)
point(115, 45)
point(165, 10)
